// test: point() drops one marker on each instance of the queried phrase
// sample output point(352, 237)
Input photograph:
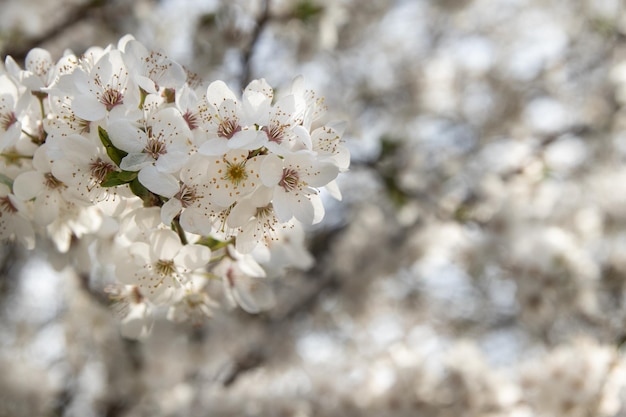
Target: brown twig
point(246, 56)
point(19, 49)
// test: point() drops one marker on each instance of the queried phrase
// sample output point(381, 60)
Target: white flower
point(134, 310)
point(39, 70)
point(326, 143)
point(10, 126)
point(63, 121)
point(158, 150)
point(255, 217)
point(72, 224)
point(234, 176)
point(193, 305)
point(152, 70)
point(106, 89)
point(309, 104)
point(13, 221)
point(243, 282)
point(294, 179)
point(82, 165)
point(191, 109)
point(43, 187)
point(280, 124)
point(224, 122)
point(162, 264)
point(193, 201)
point(287, 250)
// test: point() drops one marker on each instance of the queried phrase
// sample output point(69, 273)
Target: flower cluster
point(165, 182)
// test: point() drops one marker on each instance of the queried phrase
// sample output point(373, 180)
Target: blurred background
point(475, 267)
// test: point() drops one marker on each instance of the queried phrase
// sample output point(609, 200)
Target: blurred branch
point(262, 21)
point(19, 48)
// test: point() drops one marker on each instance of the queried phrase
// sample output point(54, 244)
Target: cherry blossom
point(120, 156)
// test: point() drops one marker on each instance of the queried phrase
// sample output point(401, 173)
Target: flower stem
point(179, 229)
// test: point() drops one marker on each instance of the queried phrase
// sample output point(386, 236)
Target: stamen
point(52, 182)
point(191, 119)
point(100, 169)
point(290, 179)
point(165, 268)
point(274, 133)
point(236, 173)
point(228, 128)
point(111, 98)
point(7, 120)
point(186, 195)
point(6, 205)
point(155, 148)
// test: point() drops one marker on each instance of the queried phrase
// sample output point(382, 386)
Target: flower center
point(186, 195)
point(52, 182)
point(100, 169)
point(165, 268)
point(111, 98)
point(290, 179)
point(155, 148)
point(264, 212)
point(236, 172)
point(7, 120)
point(274, 133)
point(228, 128)
point(191, 119)
point(6, 205)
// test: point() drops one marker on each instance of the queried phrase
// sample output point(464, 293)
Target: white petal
point(250, 267)
point(325, 173)
point(303, 136)
point(245, 139)
point(140, 253)
point(126, 136)
point(28, 185)
point(218, 91)
point(137, 323)
point(333, 190)
point(170, 209)
point(318, 208)
point(282, 205)
point(271, 170)
point(146, 83)
point(88, 107)
point(246, 240)
point(342, 158)
point(136, 161)
point(158, 182)
point(304, 211)
point(193, 256)
point(194, 221)
point(164, 245)
point(171, 161)
point(214, 147)
point(241, 213)
point(46, 209)
point(244, 299)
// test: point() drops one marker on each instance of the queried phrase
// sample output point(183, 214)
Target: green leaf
point(116, 178)
point(115, 154)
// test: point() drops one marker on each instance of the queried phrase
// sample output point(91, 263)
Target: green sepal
point(116, 178)
point(149, 199)
point(212, 243)
point(115, 154)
